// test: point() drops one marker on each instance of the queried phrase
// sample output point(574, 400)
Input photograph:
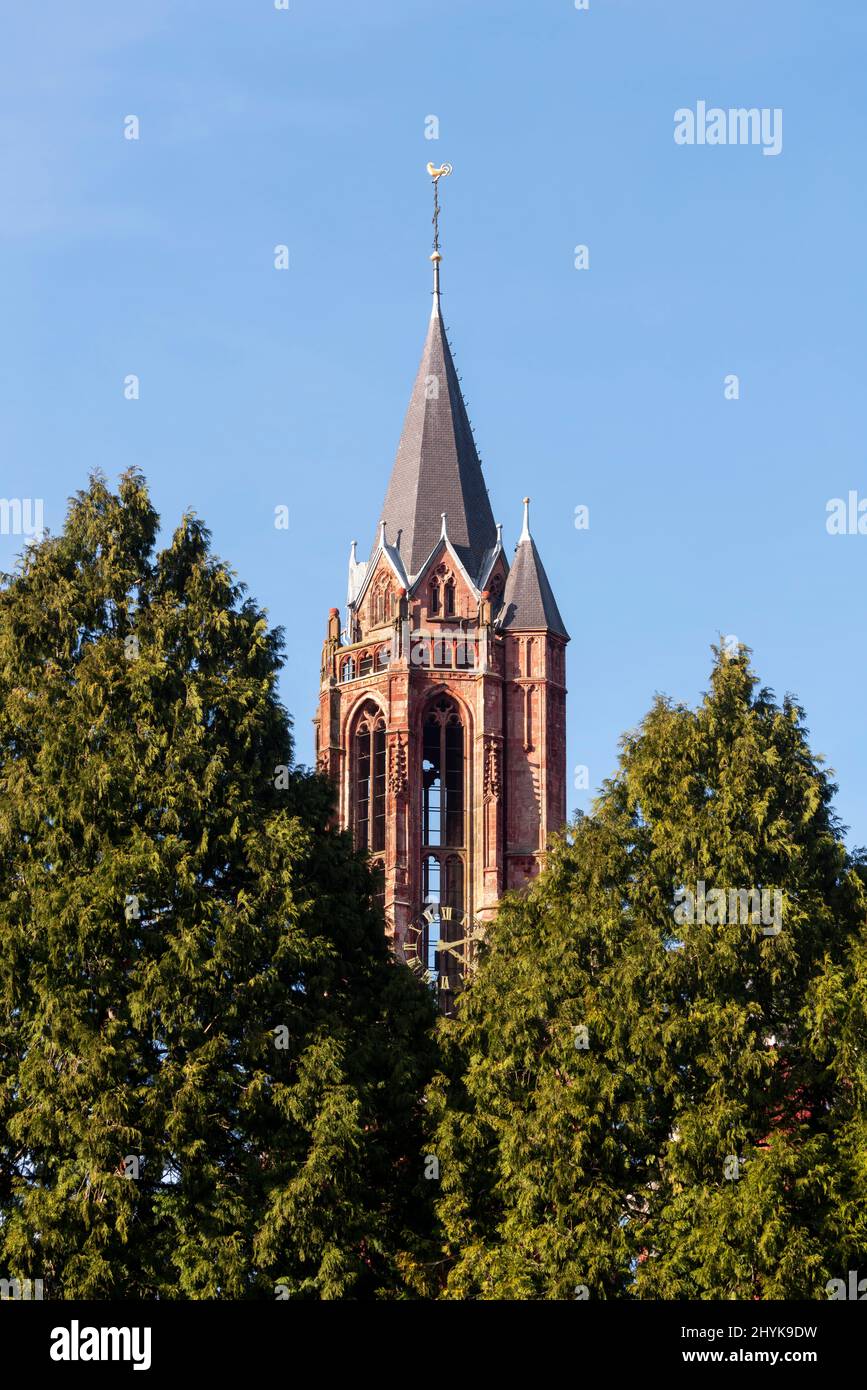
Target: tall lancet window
point(443, 780)
point(443, 837)
point(368, 780)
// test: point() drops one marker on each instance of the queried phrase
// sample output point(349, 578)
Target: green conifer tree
point(699, 1138)
point(210, 1065)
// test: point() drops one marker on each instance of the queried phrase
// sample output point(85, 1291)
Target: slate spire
point(437, 468)
point(528, 599)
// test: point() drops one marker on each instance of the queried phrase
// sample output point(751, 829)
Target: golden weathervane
point(437, 174)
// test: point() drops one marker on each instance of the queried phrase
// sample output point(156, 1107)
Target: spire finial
point(443, 531)
point(436, 174)
point(382, 534)
point(525, 534)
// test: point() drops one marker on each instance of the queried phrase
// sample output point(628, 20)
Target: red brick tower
point(442, 706)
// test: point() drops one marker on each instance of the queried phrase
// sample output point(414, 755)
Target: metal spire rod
point(437, 174)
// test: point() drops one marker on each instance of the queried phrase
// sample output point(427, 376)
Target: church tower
point(442, 712)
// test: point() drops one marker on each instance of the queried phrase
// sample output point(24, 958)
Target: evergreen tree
point(211, 1066)
point(702, 1138)
point(837, 1017)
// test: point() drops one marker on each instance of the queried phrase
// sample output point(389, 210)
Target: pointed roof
point(491, 558)
point(357, 571)
point(437, 468)
point(528, 599)
point(367, 569)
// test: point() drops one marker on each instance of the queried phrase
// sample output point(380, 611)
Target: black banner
point(161, 1339)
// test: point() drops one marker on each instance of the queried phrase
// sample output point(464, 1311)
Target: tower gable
point(443, 588)
point(376, 604)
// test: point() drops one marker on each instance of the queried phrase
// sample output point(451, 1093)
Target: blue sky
point(602, 387)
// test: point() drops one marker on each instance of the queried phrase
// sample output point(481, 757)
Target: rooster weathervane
point(436, 174)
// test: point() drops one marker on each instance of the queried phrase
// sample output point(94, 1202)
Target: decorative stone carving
point(397, 774)
point(492, 770)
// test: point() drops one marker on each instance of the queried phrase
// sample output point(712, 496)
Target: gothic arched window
point(434, 606)
point(443, 833)
point(449, 598)
point(443, 776)
point(443, 887)
point(368, 780)
point(347, 670)
point(382, 604)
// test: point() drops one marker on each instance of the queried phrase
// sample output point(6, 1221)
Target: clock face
point(440, 948)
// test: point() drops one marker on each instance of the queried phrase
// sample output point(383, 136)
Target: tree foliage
point(210, 1065)
point(647, 1097)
